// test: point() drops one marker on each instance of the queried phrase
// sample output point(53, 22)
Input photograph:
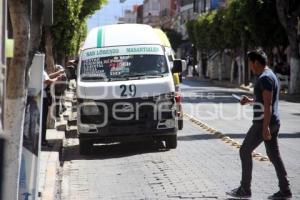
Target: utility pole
point(14, 99)
point(2, 153)
point(2, 67)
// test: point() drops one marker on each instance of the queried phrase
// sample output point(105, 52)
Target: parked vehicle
point(125, 88)
point(176, 76)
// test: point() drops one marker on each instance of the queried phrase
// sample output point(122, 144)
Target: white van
point(125, 88)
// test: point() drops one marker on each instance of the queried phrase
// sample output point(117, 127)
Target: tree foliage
point(89, 7)
point(174, 37)
point(69, 27)
point(190, 26)
point(254, 21)
point(289, 12)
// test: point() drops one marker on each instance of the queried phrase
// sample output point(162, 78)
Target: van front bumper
point(125, 133)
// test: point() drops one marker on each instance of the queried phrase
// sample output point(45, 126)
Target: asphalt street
point(202, 167)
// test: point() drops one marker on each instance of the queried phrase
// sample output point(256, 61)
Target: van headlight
point(89, 108)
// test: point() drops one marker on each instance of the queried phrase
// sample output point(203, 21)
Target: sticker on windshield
point(119, 67)
point(142, 49)
point(122, 51)
point(93, 69)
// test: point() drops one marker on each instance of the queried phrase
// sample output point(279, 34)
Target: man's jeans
point(252, 140)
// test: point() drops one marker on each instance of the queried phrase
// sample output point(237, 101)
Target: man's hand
point(57, 73)
point(267, 134)
point(59, 77)
point(61, 71)
point(246, 100)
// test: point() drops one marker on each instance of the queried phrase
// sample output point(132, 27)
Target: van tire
point(171, 142)
point(85, 147)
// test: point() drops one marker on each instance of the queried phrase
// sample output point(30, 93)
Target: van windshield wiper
point(94, 78)
point(131, 75)
point(155, 75)
point(134, 75)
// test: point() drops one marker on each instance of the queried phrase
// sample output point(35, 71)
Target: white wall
point(151, 6)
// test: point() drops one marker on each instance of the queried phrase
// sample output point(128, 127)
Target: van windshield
point(110, 68)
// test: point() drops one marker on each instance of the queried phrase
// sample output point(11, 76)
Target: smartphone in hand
point(237, 97)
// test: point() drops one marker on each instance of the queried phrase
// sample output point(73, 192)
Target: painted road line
point(226, 139)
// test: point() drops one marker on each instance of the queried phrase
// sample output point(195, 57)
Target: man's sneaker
point(240, 192)
point(281, 195)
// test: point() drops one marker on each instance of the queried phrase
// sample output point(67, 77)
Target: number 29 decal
point(128, 90)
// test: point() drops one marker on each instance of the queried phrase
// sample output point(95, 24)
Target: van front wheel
point(171, 142)
point(84, 147)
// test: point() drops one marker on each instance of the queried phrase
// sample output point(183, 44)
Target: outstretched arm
point(56, 74)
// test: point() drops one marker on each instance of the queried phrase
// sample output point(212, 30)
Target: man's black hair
point(258, 55)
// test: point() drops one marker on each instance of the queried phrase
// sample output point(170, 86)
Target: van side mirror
point(178, 65)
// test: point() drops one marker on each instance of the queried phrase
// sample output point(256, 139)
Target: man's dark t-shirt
point(266, 81)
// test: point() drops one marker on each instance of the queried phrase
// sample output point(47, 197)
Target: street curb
point(50, 161)
point(50, 166)
point(49, 189)
point(226, 139)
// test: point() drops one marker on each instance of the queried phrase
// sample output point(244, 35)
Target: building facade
point(151, 12)
point(202, 6)
point(184, 13)
point(129, 16)
point(168, 10)
point(140, 14)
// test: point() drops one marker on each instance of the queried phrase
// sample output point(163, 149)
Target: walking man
point(265, 128)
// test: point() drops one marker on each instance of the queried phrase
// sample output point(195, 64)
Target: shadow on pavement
point(194, 82)
point(233, 136)
point(54, 145)
point(280, 135)
point(61, 127)
point(211, 97)
point(197, 137)
point(290, 98)
point(72, 133)
point(207, 92)
point(109, 151)
point(289, 135)
point(197, 83)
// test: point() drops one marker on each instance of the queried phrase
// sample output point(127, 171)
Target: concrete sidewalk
point(50, 158)
point(49, 166)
